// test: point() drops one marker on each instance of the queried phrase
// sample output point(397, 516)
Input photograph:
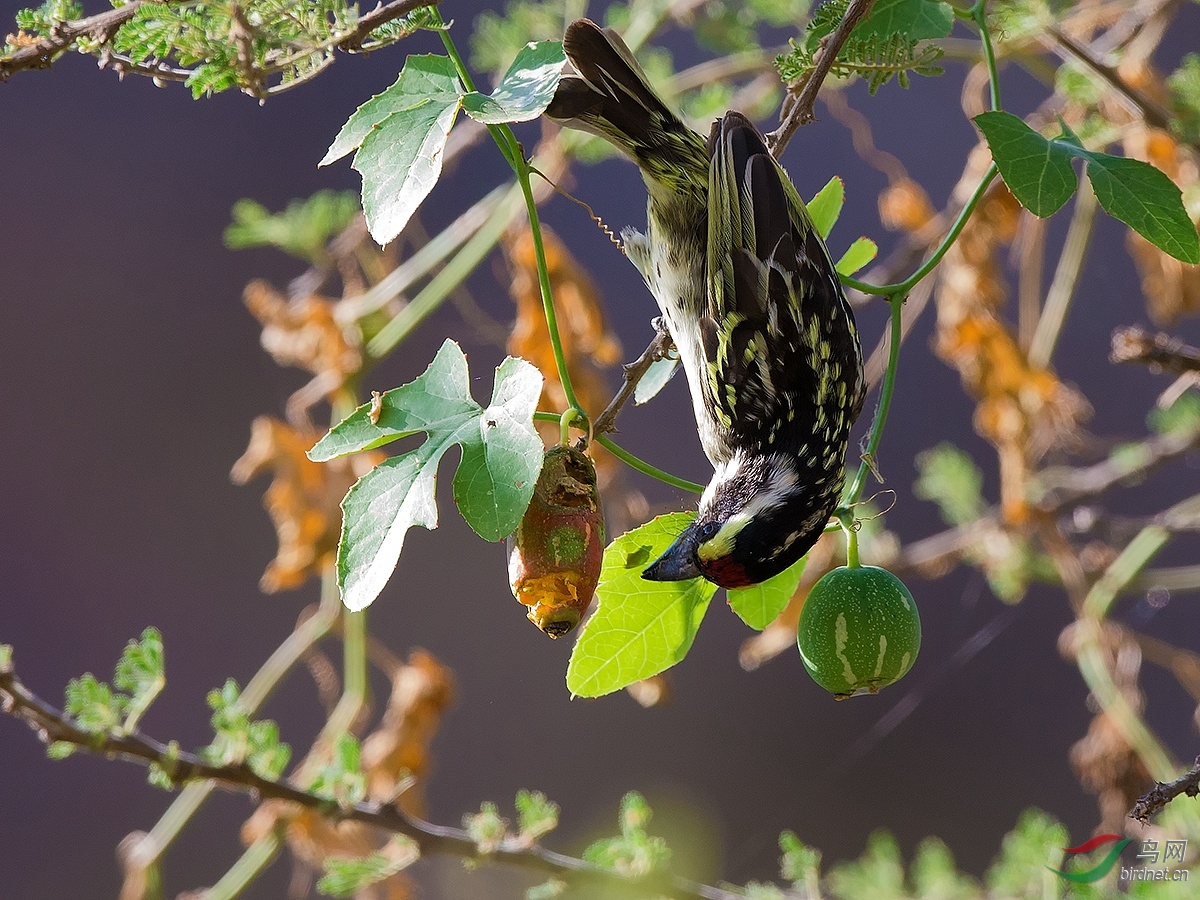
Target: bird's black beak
point(678, 563)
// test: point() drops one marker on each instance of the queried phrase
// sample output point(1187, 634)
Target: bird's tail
point(610, 96)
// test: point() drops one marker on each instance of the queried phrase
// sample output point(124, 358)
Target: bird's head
point(756, 518)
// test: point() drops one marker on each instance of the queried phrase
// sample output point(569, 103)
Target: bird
point(753, 304)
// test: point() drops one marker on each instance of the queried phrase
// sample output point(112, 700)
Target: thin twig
point(1169, 354)
point(1150, 110)
point(633, 372)
point(1153, 801)
point(380, 15)
point(53, 726)
point(799, 104)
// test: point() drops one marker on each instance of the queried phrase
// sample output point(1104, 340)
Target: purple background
point(129, 374)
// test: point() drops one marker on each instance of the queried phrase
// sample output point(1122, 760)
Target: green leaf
point(424, 79)
point(640, 627)
point(1033, 845)
point(1036, 170)
point(800, 864)
point(400, 161)
point(826, 205)
point(6, 655)
point(525, 90)
point(857, 255)
point(342, 777)
point(1146, 200)
point(655, 379)
point(760, 605)
point(502, 455)
point(918, 20)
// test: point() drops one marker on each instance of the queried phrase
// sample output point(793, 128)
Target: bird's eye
point(707, 530)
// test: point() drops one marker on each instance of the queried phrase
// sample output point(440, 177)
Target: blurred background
point(131, 370)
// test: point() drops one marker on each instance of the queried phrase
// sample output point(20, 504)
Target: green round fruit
point(859, 631)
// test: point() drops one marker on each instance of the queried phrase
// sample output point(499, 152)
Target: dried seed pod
point(554, 555)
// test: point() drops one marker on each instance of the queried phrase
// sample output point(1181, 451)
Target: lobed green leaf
point(857, 255)
point(501, 458)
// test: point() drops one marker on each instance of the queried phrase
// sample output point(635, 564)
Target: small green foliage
point(633, 853)
point(60, 749)
point(760, 890)
point(341, 778)
point(536, 815)
point(40, 21)
point(800, 864)
point(547, 890)
point(1180, 418)
point(239, 740)
point(1184, 84)
point(760, 605)
point(303, 229)
point(1038, 171)
point(501, 459)
point(1035, 843)
point(640, 627)
point(487, 828)
point(949, 477)
point(889, 43)
point(933, 874)
point(496, 38)
point(6, 657)
point(346, 876)
point(876, 875)
point(140, 674)
point(655, 379)
point(93, 704)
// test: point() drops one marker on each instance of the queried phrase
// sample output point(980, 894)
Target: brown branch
point(380, 15)
point(54, 726)
point(1151, 111)
point(798, 106)
point(101, 27)
point(1154, 800)
point(633, 373)
point(1169, 354)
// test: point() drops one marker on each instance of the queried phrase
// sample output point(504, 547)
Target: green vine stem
point(511, 148)
point(885, 403)
point(248, 867)
point(903, 287)
point(979, 14)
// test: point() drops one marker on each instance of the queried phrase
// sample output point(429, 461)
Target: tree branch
point(380, 15)
point(633, 373)
point(1154, 800)
point(798, 106)
point(41, 55)
point(1170, 354)
point(53, 726)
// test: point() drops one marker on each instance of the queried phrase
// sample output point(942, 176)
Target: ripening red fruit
point(554, 555)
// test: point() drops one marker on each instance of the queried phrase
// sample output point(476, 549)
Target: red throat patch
point(725, 572)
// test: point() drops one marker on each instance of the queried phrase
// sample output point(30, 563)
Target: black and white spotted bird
point(754, 306)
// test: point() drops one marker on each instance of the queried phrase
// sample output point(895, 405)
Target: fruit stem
point(564, 425)
point(851, 545)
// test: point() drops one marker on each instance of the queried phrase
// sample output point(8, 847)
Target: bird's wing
point(778, 330)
